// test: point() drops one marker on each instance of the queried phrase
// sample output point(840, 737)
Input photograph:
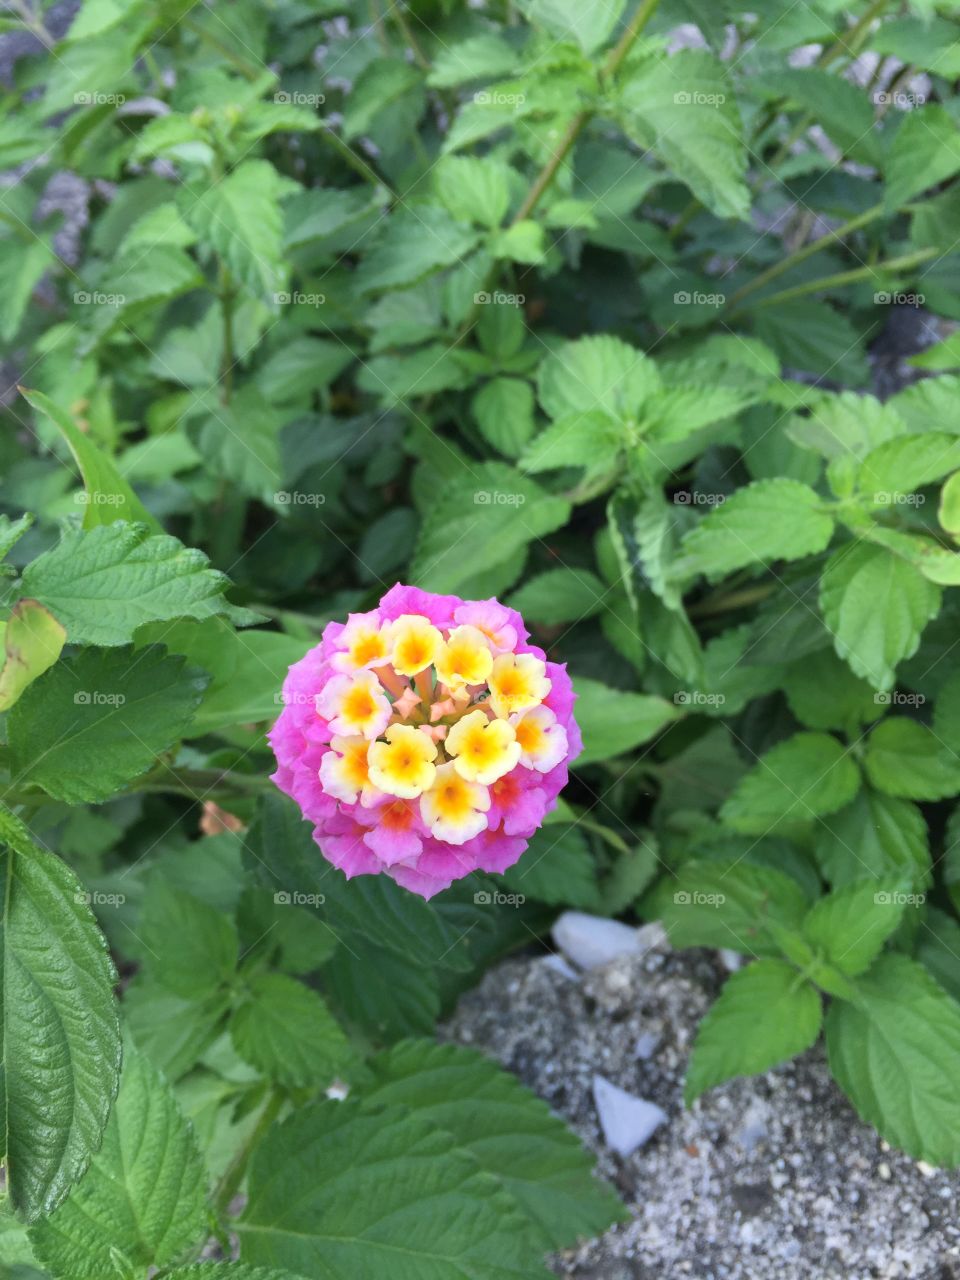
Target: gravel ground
point(770, 1178)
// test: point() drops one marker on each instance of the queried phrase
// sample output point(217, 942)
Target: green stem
point(807, 251)
point(903, 263)
point(355, 161)
point(232, 1179)
point(228, 356)
point(732, 600)
point(614, 60)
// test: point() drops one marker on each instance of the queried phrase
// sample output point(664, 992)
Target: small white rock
point(884, 1171)
point(590, 941)
point(626, 1120)
point(731, 960)
point(927, 1170)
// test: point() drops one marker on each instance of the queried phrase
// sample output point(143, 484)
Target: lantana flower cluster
point(425, 739)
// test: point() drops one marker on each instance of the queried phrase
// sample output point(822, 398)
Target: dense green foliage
point(517, 300)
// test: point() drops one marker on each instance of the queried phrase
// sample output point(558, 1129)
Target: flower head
point(425, 739)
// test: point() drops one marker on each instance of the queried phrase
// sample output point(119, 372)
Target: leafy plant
point(522, 301)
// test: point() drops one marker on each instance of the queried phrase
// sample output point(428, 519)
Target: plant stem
point(576, 126)
point(232, 1179)
point(732, 600)
point(807, 251)
point(849, 277)
point(355, 161)
point(228, 356)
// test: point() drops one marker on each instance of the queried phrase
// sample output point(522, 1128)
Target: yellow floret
point(484, 749)
point(518, 682)
point(465, 658)
point(403, 765)
point(454, 809)
point(415, 644)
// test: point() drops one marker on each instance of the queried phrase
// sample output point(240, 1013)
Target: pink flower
point(426, 739)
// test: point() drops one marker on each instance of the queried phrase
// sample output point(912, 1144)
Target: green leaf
point(814, 337)
point(739, 905)
point(143, 1197)
point(511, 1132)
point(481, 57)
point(904, 758)
point(557, 867)
point(239, 218)
point(22, 267)
point(592, 440)
point(285, 1030)
point(205, 955)
point(32, 641)
point(503, 408)
point(99, 719)
point(358, 1196)
point(613, 721)
point(599, 373)
point(806, 776)
point(414, 242)
point(900, 466)
point(108, 496)
point(104, 583)
point(948, 510)
point(474, 189)
point(384, 86)
point(172, 1031)
point(825, 694)
point(61, 1037)
point(228, 1271)
point(768, 520)
point(480, 521)
point(764, 1015)
point(894, 1052)
point(931, 45)
point(925, 152)
point(589, 22)
point(850, 925)
point(938, 949)
point(876, 605)
point(560, 595)
point(684, 109)
point(875, 835)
